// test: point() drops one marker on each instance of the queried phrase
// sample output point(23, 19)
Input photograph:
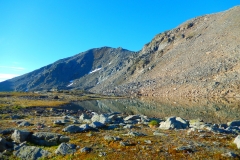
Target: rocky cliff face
point(198, 58)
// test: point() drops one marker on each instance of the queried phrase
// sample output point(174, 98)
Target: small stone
point(128, 126)
point(23, 124)
point(124, 144)
point(101, 154)
point(148, 141)
point(85, 150)
point(59, 122)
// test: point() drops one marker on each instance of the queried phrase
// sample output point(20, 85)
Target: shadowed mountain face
point(198, 58)
point(80, 71)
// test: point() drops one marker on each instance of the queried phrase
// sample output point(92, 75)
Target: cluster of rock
point(93, 122)
point(22, 150)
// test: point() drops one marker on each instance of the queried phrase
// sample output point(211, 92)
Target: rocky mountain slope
point(198, 58)
point(80, 71)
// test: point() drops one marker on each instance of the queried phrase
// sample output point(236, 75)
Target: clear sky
point(35, 33)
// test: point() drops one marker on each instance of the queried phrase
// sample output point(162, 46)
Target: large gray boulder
point(3, 144)
point(77, 129)
point(48, 138)
point(234, 123)
point(65, 148)
point(31, 153)
point(174, 123)
point(20, 136)
point(237, 141)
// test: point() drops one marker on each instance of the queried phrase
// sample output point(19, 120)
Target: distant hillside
point(201, 57)
point(80, 71)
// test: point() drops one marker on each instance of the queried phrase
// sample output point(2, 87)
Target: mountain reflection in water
point(214, 111)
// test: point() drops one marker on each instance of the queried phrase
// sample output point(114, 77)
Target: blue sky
point(35, 33)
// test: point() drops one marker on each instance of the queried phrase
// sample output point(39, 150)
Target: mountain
point(198, 58)
point(80, 71)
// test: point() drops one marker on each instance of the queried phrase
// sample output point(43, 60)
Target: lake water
point(214, 111)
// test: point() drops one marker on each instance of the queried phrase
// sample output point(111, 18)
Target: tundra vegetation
point(64, 134)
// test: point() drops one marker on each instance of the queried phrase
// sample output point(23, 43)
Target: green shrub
point(153, 123)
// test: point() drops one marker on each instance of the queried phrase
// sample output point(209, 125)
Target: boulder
point(85, 127)
point(3, 144)
point(134, 134)
point(132, 117)
point(85, 149)
point(128, 126)
point(230, 155)
point(7, 131)
point(174, 123)
point(104, 119)
point(18, 146)
point(97, 125)
point(65, 148)
point(75, 121)
point(95, 117)
point(20, 136)
point(84, 117)
point(16, 117)
point(30, 153)
point(24, 123)
point(234, 123)
point(47, 138)
point(72, 129)
point(237, 141)
point(59, 122)
point(64, 139)
point(111, 138)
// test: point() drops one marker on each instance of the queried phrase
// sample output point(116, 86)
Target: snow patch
point(69, 84)
point(95, 70)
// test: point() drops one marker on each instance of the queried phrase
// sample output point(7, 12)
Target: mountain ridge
point(198, 58)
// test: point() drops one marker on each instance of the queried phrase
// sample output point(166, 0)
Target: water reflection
point(214, 111)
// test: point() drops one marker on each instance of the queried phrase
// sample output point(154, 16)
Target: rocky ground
point(58, 134)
